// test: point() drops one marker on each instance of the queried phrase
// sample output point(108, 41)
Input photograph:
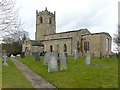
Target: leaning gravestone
point(37, 56)
point(52, 62)
point(63, 64)
point(4, 58)
point(87, 58)
point(46, 58)
point(75, 54)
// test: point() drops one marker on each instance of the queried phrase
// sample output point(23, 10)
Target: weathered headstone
point(52, 62)
point(93, 55)
point(87, 58)
point(75, 54)
point(66, 54)
point(46, 58)
point(5, 61)
point(83, 54)
point(63, 64)
point(22, 54)
point(37, 56)
point(28, 53)
point(4, 58)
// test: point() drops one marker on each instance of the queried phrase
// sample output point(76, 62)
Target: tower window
point(51, 48)
point(50, 21)
point(41, 20)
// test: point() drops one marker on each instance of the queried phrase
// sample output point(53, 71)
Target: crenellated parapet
point(45, 12)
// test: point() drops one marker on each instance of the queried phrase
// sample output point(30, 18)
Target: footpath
point(33, 78)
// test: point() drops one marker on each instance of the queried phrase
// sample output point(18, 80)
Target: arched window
point(65, 48)
point(41, 20)
point(86, 46)
point(50, 21)
point(51, 48)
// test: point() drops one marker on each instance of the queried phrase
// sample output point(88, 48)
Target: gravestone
point(0, 54)
point(8, 54)
point(66, 54)
point(87, 58)
point(3, 54)
point(37, 56)
point(28, 53)
point(83, 54)
point(22, 54)
point(46, 58)
point(63, 64)
point(93, 55)
point(75, 54)
point(52, 62)
point(4, 58)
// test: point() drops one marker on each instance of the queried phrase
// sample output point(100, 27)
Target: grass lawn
point(78, 75)
point(13, 78)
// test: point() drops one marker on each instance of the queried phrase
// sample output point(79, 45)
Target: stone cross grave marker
point(52, 62)
point(63, 64)
point(75, 54)
point(87, 58)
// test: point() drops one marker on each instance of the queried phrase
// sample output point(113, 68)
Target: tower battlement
point(45, 12)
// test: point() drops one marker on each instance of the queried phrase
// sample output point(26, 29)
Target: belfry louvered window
point(50, 21)
point(41, 20)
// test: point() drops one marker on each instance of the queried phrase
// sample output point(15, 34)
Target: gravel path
point(33, 78)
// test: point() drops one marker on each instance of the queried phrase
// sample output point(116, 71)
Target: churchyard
point(75, 72)
point(102, 73)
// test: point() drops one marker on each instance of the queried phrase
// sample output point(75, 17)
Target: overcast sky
point(95, 15)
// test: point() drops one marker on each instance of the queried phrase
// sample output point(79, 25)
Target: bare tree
point(8, 17)
point(15, 36)
point(11, 29)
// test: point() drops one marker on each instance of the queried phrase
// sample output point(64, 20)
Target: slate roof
point(67, 32)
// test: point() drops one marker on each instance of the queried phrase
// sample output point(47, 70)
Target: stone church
point(46, 38)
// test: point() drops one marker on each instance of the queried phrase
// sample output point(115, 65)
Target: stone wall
point(97, 43)
point(58, 45)
point(26, 44)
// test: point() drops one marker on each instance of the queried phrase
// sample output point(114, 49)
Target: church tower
point(45, 24)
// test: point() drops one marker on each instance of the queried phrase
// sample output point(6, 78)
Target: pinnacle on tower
point(46, 9)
